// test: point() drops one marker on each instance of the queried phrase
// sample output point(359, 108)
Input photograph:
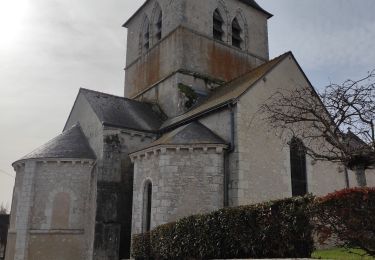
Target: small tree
point(337, 124)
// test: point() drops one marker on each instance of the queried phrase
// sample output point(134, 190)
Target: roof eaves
point(281, 58)
point(256, 6)
point(229, 101)
point(136, 12)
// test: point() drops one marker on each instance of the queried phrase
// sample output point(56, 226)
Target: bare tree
point(334, 125)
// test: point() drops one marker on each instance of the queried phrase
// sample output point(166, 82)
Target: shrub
point(141, 245)
point(349, 216)
point(275, 229)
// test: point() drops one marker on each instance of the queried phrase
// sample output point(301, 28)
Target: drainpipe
point(346, 177)
point(226, 156)
point(361, 176)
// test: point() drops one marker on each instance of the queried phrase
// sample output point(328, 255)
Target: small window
point(159, 25)
point(236, 34)
point(298, 167)
point(147, 202)
point(218, 26)
point(146, 37)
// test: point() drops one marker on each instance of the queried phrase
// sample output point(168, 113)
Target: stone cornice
point(164, 149)
point(20, 164)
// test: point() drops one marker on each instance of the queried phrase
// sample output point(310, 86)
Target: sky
point(49, 49)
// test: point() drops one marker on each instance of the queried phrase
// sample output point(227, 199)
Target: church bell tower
point(178, 51)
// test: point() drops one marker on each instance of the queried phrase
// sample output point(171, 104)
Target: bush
point(349, 216)
point(141, 245)
point(275, 229)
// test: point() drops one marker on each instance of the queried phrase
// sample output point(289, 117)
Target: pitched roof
point(251, 3)
point(227, 93)
point(122, 112)
point(255, 5)
point(189, 134)
point(193, 133)
point(71, 144)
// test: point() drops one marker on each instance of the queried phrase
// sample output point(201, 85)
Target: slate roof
point(189, 134)
point(122, 112)
point(227, 93)
point(71, 144)
point(193, 133)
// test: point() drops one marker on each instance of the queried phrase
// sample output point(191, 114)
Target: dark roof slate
point(189, 134)
point(122, 112)
point(71, 144)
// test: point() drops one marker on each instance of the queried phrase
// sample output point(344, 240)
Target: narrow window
point(147, 202)
point(236, 34)
point(218, 26)
point(159, 25)
point(146, 37)
point(298, 167)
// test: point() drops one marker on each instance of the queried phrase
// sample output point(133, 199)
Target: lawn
point(341, 254)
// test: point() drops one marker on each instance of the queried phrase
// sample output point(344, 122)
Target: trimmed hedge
point(348, 215)
point(277, 229)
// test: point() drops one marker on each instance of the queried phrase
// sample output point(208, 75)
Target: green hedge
point(277, 229)
point(348, 215)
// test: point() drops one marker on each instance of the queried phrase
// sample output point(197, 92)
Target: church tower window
point(147, 202)
point(218, 26)
point(146, 36)
point(236, 33)
point(158, 26)
point(298, 167)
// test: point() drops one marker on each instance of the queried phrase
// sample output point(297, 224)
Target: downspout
point(226, 156)
point(346, 177)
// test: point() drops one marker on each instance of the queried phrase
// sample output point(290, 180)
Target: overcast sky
point(51, 48)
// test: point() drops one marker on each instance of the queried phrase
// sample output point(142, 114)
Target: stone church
point(186, 138)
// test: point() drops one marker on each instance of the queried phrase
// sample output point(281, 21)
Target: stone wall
point(186, 50)
point(185, 181)
point(114, 193)
point(50, 208)
point(89, 122)
point(187, 45)
point(197, 16)
point(261, 163)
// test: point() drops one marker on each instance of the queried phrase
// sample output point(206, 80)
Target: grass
point(341, 254)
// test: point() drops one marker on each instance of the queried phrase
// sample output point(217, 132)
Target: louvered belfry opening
point(298, 167)
point(159, 25)
point(146, 37)
point(218, 26)
point(236, 34)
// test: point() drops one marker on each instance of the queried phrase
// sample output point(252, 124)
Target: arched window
point(158, 26)
point(146, 36)
point(147, 202)
point(298, 167)
point(236, 33)
point(218, 26)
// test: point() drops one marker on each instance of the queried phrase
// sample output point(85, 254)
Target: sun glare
point(12, 18)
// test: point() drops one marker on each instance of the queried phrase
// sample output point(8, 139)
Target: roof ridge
point(111, 95)
point(256, 68)
point(64, 134)
point(219, 93)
